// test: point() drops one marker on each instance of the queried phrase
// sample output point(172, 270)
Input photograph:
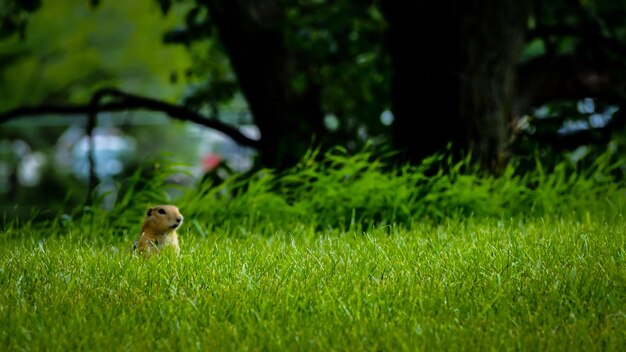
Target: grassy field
point(512, 284)
point(482, 278)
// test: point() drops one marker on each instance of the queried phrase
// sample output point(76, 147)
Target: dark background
point(259, 82)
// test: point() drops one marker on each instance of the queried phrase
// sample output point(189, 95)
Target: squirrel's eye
point(161, 211)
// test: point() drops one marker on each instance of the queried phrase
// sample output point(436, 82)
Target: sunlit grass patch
point(475, 284)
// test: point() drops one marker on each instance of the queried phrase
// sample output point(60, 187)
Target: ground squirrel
point(159, 230)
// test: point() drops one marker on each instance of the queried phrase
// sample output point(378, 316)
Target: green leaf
point(165, 5)
point(300, 82)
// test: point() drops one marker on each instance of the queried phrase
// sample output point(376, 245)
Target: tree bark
point(288, 117)
point(454, 64)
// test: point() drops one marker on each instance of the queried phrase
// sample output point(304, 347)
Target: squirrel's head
point(163, 218)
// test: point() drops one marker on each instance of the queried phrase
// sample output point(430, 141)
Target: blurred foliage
point(69, 49)
point(213, 82)
point(343, 42)
point(14, 16)
point(589, 35)
point(61, 186)
point(60, 51)
point(343, 46)
point(589, 30)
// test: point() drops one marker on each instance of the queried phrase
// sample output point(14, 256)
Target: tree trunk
point(288, 117)
point(454, 64)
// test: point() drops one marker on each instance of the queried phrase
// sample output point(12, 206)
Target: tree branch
point(126, 101)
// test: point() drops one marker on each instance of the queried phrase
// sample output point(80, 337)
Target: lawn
point(557, 284)
point(272, 266)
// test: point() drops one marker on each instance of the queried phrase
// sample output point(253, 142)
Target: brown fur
point(159, 230)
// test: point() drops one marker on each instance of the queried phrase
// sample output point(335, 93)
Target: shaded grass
point(340, 190)
point(471, 284)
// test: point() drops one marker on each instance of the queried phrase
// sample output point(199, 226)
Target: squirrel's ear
point(149, 212)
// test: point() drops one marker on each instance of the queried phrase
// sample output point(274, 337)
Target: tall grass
point(340, 190)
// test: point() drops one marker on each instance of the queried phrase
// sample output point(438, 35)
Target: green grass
point(338, 254)
point(494, 284)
